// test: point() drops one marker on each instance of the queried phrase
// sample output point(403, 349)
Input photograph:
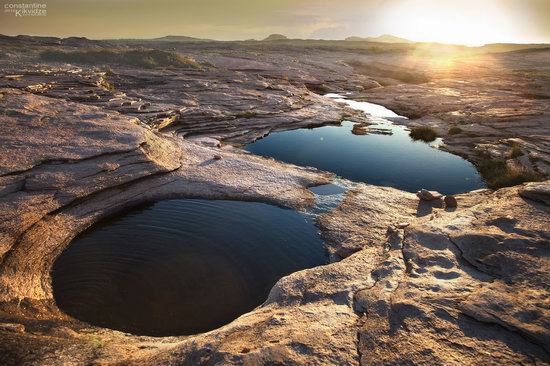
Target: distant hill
point(276, 37)
point(51, 41)
point(514, 47)
point(172, 38)
point(385, 38)
point(159, 40)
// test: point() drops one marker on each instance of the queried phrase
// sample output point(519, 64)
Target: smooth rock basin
point(183, 266)
point(386, 160)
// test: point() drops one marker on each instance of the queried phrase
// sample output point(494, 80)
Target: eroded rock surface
point(410, 282)
point(488, 102)
point(467, 289)
point(63, 170)
point(484, 105)
point(452, 287)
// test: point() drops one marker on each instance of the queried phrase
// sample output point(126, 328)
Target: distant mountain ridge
point(51, 41)
point(173, 38)
point(276, 37)
point(385, 38)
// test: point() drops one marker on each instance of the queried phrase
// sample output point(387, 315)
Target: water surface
point(387, 160)
point(182, 266)
point(374, 110)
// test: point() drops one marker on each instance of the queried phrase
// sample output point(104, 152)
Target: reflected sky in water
point(180, 267)
point(386, 160)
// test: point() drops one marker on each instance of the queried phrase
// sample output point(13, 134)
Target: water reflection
point(392, 159)
point(182, 266)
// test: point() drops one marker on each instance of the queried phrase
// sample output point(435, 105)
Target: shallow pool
point(182, 266)
point(382, 159)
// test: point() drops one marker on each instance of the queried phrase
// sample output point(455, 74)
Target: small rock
point(402, 225)
point(12, 327)
point(426, 195)
point(359, 130)
point(217, 157)
point(450, 201)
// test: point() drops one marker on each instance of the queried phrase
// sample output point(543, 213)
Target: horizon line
point(280, 40)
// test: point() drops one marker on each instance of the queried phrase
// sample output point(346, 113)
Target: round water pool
point(185, 266)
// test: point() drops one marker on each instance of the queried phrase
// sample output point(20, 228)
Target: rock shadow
point(489, 332)
point(207, 162)
point(425, 208)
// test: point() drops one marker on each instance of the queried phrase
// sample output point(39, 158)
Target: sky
point(471, 22)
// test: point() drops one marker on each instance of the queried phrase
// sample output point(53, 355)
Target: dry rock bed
point(411, 282)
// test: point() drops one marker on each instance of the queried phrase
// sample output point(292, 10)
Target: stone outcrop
point(426, 195)
point(448, 287)
point(65, 165)
point(409, 283)
point(234, 106)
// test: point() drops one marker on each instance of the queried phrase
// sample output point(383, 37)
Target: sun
point(468, 22)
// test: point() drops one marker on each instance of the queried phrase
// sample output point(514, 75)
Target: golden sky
point(469, 22)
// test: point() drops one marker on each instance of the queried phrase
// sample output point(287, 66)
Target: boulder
point(426, 195)
point(450, 201)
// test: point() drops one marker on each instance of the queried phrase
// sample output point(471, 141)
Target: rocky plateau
point(410, 282)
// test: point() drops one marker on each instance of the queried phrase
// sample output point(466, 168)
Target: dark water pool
point(386, 160)
point(183, 266)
